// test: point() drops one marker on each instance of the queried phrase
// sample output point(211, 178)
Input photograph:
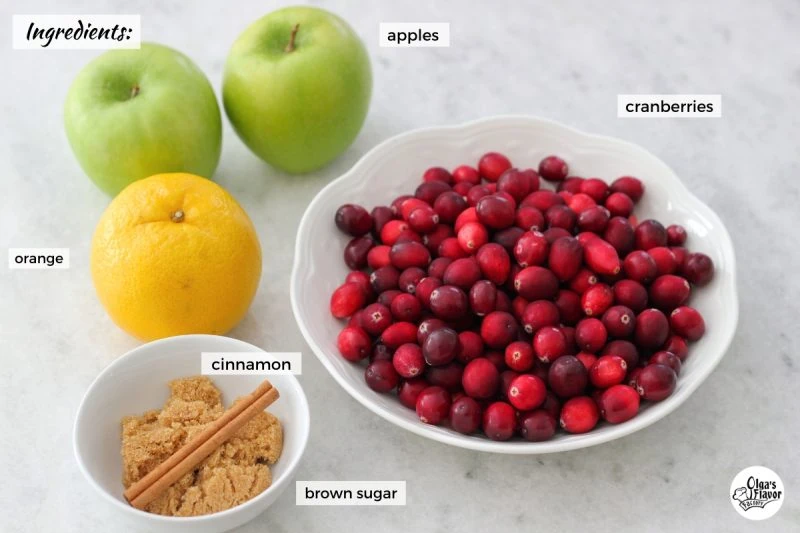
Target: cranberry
point(565, 258)
point(581, 202)
point(652, 328)
point(619, 204)
point(472, 236)
point(398, 334)
point(425, 288)
point(380, 216)
point(526, 392)
point(437, 174)
point(640, 266)
point(676, 235)
point(633, 375)
point(392, 230)
point(494, 262)
point(553, 168)
point(451, 248)
point(498, 329)
point(408, 360)
point(579, 415)
point(590, 335)
point(398, 202)
point(687, 322)
point(481, 378)
point(631, 294)
point(668, 292)
point(664, 259)
point(409, 279)
point(539, 314)
point(542, 200)
point(462, 273)
point(537, 426)
point(619, 233)
point(569, 307)
point(449, 302)
point(438, 266)
point(381, 351)
point(347, 299)
point(618, 404)
point(529, 218)
point(587, 359)
point(625, 349)
point(582, 281)
point(426, 327)
point(441, 346)
point(507, 238)
point(378, 256)
point(594, 219)
point(476, 193)
point(381, 376)
point(571, 184)
point(553, 234)
point(387, 297)
point(516, 183)
point(376, 318)
point(656, 382)
point(429, 192)
point(409, 205)
point(677, 345)
point(409, 391)
point(619, 321)
point(384, 279)
point(601, 256)
point(471, 346)
point(423, 219)
point(680, 254)
point(495, 211)
point(666, 358)
point(596, 188)
point(561, 216)
point(406, 308)
point(433, 405)
point(449, 205)
point(446, 376)
point(465, 217)
point(483, 297)
point(532, 249)
point(499, 421)
point(630, 186)
point(649, 234)
point(353, 220)
point(608, 370)
point(698, 268)
point(353, 343)
point(549, 344)
point(435, 238)
point(536, 283)
point(567, 376)
point(597, 299)
point(519, 356)
point(466, 174)
point(492, 165)
point(355, 252)
point(465, 415)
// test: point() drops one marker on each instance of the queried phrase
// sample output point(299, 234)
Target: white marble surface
point(566, 61)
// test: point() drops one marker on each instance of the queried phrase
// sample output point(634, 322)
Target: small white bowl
point(137, 382)
point(395, 166)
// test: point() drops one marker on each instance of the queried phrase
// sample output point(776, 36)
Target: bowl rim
point(132, 354)
point(659, 410)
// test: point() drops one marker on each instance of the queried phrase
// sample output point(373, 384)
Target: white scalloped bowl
point(394, 167)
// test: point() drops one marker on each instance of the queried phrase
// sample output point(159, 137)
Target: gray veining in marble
point(566, 61)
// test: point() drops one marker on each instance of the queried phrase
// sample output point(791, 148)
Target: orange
point(175, 254)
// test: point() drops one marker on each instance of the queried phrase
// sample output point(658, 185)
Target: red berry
point(437, 174)
point(492, 165)
point(687, 322)
point(441, 346)
point(569, 307)
point(462, 273)
point(586, 358)
point(619, 204)
point(519, 356)
point(581, 202)
point(526, 392)
point(425, 288)
point(630, 186)
point(426, 327)
point(387, 297)
point(698, 268)
point(668, 292)
point(567, 376)
point(561, 216)
point(608, 370)
point(529, 219)
point(594, 219)
point(429, 192)
point(472, 236)
point(666, 358)
point(476, 193)
point(542, 200)
point(597, 299)
point(649, 234)
point(353, 343)
point(480, 379)
point(495, 211)
point(406, 308)
point(347, 299)
point(483, 297)
point(465, 415)
point(553, 168)
point(391, 231)
point(579, 415)
point(676, 235)
point(601, 256)
point(652, 328)
point(571, 184)
point(408, 360)
point(449, 302)
point(409, 254)
point(361, 279)
point(466, 174)
point(596, 188)
point(515, 182)
point(409, 391)
point(498, 329)
point(433, 405)
point(536, 283)
point(423, 219)
point(353, 220)
point(618, 404)
point(384, 279)
point(625, 349)
point(446, 376)
point(494, 262)
point(449, 205)
point(435, 238)
point(499, 421)
point(565, 258)
point(677, 345)
point(590, 335)
point(376, 318)
point(619, 233)
point(549, 344)
point(381, 376)
point(409, 278)
point(380, 216)
point(656, 382)
point(467, 215)
point(640, 266)
point(355, 252)
point(471, 346)
point(537, 426)
point(631, 294)
point(664, 259)
point(619, 321)
point(539, 314)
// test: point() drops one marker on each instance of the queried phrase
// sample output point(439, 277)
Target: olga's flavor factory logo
point(757, 493)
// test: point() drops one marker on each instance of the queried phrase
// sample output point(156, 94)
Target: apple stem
point(290, 46)
point(134, 90)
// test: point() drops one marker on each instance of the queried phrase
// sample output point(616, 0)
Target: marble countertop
point(566, 62)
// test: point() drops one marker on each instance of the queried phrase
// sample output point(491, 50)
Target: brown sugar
point(234, 473)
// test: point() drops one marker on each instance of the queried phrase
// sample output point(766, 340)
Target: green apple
point(130, 114)
point(297, 87)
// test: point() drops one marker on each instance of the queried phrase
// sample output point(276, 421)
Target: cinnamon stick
point(191, 454)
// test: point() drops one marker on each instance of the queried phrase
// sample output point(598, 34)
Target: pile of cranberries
point(492, 304)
